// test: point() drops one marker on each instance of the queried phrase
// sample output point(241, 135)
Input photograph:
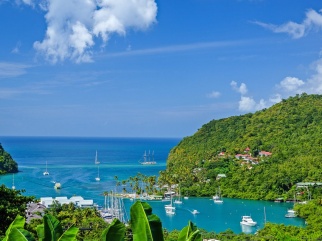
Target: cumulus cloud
point(313, 85)
point(242, 89)
point(73, 26)
point(248, 104)
point(312, 21)
point(214, 94)
point(275, 98)
point(291, 84)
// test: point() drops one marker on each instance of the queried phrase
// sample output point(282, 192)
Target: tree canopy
point(290, 130)
point(7, 164)
point(12, 203)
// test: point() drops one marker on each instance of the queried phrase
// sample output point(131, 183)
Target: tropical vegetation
point(7, 164)
point(12, 203)
point(290, 130)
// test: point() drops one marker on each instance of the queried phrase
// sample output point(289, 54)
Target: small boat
point(46, 172)
point(195, 211)
point(169, 208)
point(57, 185)
point(13, 182)
point(169, 211)
point(186, 198)
point(290, 213)
point(96, 160)
point(247, 220)
point(178, 201)
point(147, 159)
point(217, 198)
point(98, 168)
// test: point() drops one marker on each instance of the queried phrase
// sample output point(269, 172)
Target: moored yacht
point(290, 213)
point(247, 220)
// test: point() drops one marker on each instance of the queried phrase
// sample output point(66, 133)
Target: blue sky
point(145, 68)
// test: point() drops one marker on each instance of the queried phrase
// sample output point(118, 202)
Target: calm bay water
point(71, 162)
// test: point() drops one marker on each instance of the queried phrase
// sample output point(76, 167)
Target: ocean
point(71, 162)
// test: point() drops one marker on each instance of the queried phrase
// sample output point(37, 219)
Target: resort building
point(77, 200)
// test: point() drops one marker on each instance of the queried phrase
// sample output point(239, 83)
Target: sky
point(150, 68)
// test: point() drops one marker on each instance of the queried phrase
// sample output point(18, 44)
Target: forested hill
point(7, 164)
point(291, 130)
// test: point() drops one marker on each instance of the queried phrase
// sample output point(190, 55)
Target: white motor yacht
point(247, 220)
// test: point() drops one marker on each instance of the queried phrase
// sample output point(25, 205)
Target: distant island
point(258, 155)
point(7, 164)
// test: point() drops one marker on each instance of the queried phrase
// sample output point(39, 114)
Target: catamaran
point(147, 159)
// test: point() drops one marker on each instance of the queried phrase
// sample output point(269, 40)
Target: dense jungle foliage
point(291, 130)
point(7, 164)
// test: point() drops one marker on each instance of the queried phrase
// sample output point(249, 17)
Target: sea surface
point(71, 161)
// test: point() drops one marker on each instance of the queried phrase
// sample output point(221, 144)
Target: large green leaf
point(145, 225)
point(114, 232)
point(40, 232)
point(19, 234)
point(19, 222)
point(52, 228)
point(190, 233)
point(69, 235)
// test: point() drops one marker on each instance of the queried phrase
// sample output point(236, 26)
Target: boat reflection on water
point(247, 229)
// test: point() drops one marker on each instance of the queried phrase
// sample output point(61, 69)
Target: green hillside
point(290, 130)
point(7, 164)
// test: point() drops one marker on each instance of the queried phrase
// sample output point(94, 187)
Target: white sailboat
point(217, 197)
point(147, 159)
point(178, 201)
point(98, 168)
point(291, 213)
point(96, 160)
point(169, 208)
point(13, 182)
point(46, 172)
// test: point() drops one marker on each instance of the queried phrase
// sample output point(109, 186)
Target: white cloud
point(312, 21)
point(242, 89)
point(248, 104)
point(313, 85)
point(70, 34)
point(275, 98)
point(214, 94)
point(291, 84)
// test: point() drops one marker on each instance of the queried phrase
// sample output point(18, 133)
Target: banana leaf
point(114, 232)
point(40, 232)
point(145, 225)
point(69, 235)
point(190, 233)
point(19, 234)
point(19, 222)
point(52, 228)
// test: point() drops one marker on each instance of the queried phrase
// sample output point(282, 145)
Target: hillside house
point(264, 153)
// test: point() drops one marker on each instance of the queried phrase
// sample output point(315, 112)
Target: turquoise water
point(71, 162)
